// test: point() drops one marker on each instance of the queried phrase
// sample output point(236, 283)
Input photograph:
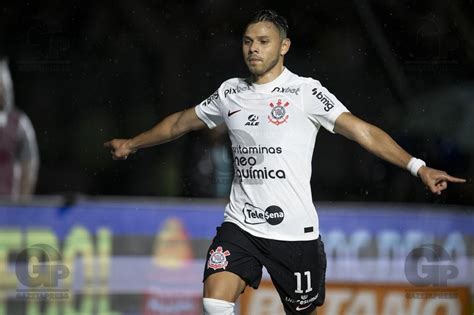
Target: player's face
point(263, 47)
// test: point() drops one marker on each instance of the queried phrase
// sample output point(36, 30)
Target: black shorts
point(297, 268)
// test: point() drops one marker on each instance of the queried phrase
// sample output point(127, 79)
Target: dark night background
point(89, 71)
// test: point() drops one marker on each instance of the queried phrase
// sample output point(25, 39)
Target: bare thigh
point(224, 285)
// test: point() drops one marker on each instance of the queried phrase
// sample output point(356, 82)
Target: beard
point(263, 67)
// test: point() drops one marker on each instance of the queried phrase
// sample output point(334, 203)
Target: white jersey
point(272, 128)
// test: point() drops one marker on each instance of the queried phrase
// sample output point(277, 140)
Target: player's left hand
point(437, 180)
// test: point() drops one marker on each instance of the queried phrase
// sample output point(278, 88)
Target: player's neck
point(270, 75)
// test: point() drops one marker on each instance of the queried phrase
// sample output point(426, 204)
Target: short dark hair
point(270, 16)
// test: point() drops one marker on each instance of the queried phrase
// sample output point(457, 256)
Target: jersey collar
point(276, 82)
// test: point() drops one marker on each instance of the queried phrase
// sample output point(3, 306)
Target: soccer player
point(273, 118)
point(19, 157)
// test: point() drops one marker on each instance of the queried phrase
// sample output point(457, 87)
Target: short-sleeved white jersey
point(272, 128)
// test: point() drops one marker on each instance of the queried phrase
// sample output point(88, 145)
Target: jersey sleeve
point(322, 107)
point(210, 110)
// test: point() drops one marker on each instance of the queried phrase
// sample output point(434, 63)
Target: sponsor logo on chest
point(281, 89)
point(252, 120)
point(236, 90)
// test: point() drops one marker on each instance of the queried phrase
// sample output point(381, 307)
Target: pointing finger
point(451, 179)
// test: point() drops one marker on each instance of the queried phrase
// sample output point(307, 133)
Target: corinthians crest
point(278, 114)
point(218, 259)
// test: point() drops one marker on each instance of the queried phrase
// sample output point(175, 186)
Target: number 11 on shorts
point(298, 282)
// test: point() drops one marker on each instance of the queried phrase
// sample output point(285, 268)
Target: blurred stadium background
point(131, 236)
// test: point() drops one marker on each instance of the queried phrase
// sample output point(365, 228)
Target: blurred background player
point(19, 159)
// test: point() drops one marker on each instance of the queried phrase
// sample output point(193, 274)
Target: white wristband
point(414, 165)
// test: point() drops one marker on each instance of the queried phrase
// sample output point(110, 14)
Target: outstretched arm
point(378, 142)
point(170, 128)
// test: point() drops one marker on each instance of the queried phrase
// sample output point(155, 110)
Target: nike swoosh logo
point(232, 113)
point(298, 308)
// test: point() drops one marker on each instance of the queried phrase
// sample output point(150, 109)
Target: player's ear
point(285, 46)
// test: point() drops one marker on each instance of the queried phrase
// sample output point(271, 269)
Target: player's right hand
point(437, 180)
point(119, 148)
